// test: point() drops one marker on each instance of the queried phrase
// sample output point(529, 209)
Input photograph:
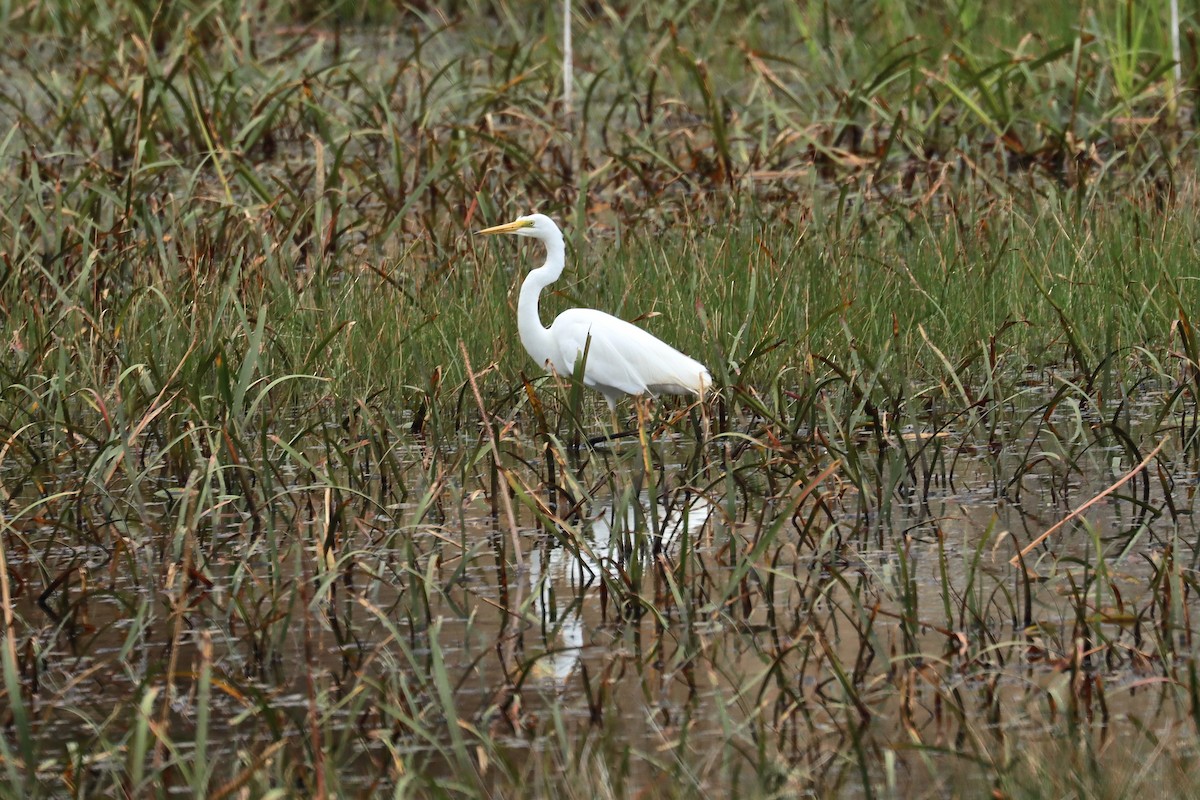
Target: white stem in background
point(568, 69)
point(1174, 44)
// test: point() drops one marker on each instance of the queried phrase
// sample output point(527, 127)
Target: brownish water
point(875, 631)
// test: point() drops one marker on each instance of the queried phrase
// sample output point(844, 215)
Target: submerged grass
point(286, 509)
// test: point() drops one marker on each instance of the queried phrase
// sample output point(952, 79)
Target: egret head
point(538, 226)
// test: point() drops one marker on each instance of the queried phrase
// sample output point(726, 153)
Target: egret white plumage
point(621, 358)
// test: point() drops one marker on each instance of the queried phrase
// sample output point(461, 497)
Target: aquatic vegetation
point(285, 509)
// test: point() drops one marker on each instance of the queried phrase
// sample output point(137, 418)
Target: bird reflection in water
point(564, 577)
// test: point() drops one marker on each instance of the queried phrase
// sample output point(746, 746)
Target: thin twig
point(1124, 479)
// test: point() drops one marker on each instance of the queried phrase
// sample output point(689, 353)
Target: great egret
point(621, 358)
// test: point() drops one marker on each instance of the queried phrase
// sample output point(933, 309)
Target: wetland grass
point(286, 512)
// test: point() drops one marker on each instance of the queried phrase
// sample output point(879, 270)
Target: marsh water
point(724, 608)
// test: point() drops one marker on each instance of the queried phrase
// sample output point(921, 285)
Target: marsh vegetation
point(286, 511)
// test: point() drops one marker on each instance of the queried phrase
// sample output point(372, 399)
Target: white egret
point(621, 358)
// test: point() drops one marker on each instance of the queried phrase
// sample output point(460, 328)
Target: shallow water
point(736, 631)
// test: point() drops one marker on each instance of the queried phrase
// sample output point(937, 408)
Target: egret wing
point(624, 357)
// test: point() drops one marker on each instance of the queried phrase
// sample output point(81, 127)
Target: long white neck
point(536, 339)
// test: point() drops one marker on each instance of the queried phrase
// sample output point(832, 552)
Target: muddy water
point(732, 631)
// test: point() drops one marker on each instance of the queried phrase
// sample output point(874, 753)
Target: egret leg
point(614, 432)
point(611, 433)
point(612, 413)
